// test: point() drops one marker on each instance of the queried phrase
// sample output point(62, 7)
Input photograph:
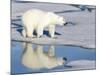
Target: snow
point(80, 34)
point(82, 64)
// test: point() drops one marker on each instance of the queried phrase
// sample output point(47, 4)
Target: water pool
point(32, 58)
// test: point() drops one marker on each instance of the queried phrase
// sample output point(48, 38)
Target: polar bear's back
point(33, 15)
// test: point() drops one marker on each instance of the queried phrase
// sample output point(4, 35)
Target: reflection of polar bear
point(38, 20)
point(36, 58)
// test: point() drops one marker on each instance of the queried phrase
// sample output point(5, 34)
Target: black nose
point(71, 23)
point(64, 58)
point(65, 23)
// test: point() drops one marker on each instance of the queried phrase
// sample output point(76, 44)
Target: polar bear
point(37, 20)
point(37, 58)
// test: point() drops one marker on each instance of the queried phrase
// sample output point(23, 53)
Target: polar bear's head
point(60, 20)
point(55, 19)
point(61, 60)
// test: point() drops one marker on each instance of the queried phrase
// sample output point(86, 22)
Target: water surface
point(32, 58)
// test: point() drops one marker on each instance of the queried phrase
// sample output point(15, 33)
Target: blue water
point(71, 53)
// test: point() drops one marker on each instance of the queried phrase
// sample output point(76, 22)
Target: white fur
point(37, 20)
point(37, 58)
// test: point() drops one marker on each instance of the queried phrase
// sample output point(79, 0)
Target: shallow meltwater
point(32, 58)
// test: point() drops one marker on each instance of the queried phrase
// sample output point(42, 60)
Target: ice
point(82, 64)
point(80, 30)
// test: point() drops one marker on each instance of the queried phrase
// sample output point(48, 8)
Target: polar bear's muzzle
point(70, 23)
point(65, 23)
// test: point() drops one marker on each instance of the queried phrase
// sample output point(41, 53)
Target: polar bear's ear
point(50, 13)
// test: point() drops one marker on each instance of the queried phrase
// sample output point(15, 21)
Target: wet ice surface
point(80, 34)
point(32, 58)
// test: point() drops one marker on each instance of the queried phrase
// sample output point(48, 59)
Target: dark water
point(31, 58)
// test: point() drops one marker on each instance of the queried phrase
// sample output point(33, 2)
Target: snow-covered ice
point(82, 64)
point(80, 34)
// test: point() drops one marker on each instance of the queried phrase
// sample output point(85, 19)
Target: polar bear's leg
point(39, 49)
point(51, 51)
point(39, 31)
point(51, 30)
point(24, 32)
point(30, 32)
